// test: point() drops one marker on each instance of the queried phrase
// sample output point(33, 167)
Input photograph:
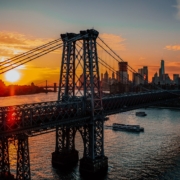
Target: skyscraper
point(123, 75)
point(162, 67)
point(143, 72)
point(161, 70)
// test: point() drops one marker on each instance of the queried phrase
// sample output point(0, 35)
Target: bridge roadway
point(43, 117)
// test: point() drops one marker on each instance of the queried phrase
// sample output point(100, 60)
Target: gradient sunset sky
point(142, 32)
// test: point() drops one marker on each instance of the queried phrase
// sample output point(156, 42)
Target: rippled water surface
point(152, 154)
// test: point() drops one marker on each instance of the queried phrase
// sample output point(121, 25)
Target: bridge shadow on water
point(73, 174)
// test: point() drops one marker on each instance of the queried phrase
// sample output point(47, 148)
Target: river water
point(152, 154)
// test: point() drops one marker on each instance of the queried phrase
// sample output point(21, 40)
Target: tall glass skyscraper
point(162, 67)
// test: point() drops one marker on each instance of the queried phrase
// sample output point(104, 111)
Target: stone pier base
point(97, 167)
point(6, 176)
point(65, 159)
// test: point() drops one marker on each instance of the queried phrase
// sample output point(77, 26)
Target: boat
point(141, 113)
point(125, 127)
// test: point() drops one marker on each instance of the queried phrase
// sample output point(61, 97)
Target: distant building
point(162, 67)
point(175, 78)
point(141, 77)
point(145, 74)
point(112, 80)
point(135, 78)
point(163, 78)
point(155, 79)
point(123, 74)
point(101, 76)
point(162, 71)
point(2, 85)
point(106, 76)
point(105, 82)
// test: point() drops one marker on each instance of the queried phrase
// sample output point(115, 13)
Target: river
point(152, 154)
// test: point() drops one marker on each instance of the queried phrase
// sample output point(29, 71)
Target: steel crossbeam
point(23, 162)
point(34, 117)
point(65, 139)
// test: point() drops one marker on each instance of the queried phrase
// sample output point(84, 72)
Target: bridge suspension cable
point(33, 54)
point(29, 52)
point(130, 68)
point(103, 63)
point(106, 65)
point(22, 59)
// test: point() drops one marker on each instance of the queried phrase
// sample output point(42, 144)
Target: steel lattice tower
point(80, 49)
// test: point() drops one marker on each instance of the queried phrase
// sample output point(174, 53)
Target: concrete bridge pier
point(93, 167)
point(94, 162)
point(65, 155)
point(4, 160)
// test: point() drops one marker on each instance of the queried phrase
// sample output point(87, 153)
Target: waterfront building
point(135, 78)
point(123, 74)
point(155, 79)
point(105, 81)
point(141, 77)
point(175, 78)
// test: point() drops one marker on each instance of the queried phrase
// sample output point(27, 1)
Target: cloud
point(173, 47)
point(12, 43)
point(115, 42)
point(173, 64)
point(178, 9)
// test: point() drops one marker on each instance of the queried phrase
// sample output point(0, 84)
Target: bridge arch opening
point(79, 144)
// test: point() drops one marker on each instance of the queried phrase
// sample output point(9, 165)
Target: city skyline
point(142, 33)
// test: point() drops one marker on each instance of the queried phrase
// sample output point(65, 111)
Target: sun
point(12, 76)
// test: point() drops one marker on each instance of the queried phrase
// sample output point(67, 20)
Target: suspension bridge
point(80, 108)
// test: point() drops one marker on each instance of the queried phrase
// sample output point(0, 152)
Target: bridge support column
point(65, 154)
point(83, 58)
point(4, 160)
point(94, 162)
point(23, 161)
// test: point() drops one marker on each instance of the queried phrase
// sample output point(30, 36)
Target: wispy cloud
point(173, 64)
point(115, 42)
point(178, 9)
point(173, 47)
point(14, 43)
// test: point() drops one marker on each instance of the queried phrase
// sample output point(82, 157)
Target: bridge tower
point(23, 161)
point(81, 49)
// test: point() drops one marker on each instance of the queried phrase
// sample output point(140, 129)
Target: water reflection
point(152, 154)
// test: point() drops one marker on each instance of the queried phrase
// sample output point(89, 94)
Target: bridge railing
point(18, 118)
point(122, 103)
point(36, 116)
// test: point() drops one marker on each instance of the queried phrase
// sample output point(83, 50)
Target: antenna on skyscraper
point(162, 54)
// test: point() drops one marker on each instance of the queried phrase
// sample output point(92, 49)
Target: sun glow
point(12, 76)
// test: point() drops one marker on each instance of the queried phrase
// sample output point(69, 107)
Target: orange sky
point(142, 36)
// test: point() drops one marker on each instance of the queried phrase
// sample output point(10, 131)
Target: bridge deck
point(29, 118)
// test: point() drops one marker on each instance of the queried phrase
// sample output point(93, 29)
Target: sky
point(142, 32)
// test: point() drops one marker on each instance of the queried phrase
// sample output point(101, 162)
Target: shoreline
point(164, 107)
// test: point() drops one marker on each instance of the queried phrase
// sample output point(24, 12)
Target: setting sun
point(12, 76)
